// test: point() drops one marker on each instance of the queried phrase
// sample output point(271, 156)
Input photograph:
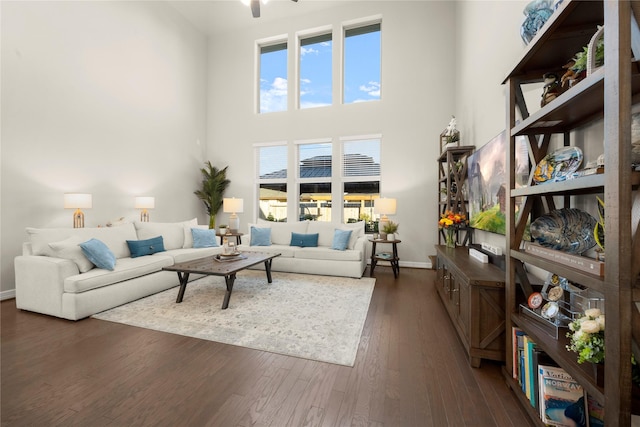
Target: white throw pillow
point(357, 231)
point(172, 232)
point(188, 235)
point(70, 249)
point(281, 231)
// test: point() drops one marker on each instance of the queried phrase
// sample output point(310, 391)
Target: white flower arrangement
point(587, 336)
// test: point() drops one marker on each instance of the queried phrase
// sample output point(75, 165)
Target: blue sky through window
point(273, 79)
point(362, 67)
point(315, 72)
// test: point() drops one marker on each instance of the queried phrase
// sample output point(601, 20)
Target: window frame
point(308, 34)
point(258, 181)
point(259, 45)
point(352, 25)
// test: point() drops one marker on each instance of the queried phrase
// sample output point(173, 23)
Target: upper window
point(315, 71)
point(362, 64)
point(273, 77)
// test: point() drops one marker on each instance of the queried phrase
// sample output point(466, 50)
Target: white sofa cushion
point(281, 231)
point(326, 231)
point(125, 269)
point(189, 254)
point(327, 254)
point(188, 234)
point(114, 237)
point(172, 232)
point(286, 251)
point(70, 249)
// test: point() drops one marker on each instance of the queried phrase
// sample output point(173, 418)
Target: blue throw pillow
point(260, 236)
point(99, 254)
point(204, 238)
point(304, 240)
point(145, 247)
point(341, 239)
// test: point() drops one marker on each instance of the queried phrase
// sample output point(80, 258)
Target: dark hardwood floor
point(410, 371)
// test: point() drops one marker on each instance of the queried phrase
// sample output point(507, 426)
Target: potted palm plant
point(214, 184)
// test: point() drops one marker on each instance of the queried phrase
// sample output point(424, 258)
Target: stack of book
point(558, 398)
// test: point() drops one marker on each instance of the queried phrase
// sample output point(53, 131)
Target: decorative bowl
point(558, 165)
point(569, 230)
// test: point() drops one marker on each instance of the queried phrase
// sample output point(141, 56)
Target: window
point(362, 64)
point(314, 180)
point(361, 179)
point(271, 164)
point(315, 71)
point(273, 77)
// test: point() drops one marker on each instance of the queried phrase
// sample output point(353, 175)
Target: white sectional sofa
point(322, 259)
point(53, 277)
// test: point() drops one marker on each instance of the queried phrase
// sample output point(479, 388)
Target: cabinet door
point(465, 308)
point(454, 294)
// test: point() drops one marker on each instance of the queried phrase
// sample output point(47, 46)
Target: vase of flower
point(450, 238)
point(450, 222)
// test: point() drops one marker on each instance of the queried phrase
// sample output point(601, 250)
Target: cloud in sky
point(274, 96)
point(306, 50)
point(371, 89)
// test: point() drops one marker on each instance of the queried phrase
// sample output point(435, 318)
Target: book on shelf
point(562, 401)
point(384, 255)
point(516, 346)
point(582, 263)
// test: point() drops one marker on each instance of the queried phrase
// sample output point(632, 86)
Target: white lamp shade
point(232, 205)
point(77, 201)
point(145, 202)
point(384, 206)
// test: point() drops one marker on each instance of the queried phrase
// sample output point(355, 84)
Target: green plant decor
point(390, 228)
point(214, 184)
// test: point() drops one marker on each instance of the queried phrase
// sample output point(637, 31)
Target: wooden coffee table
point(211, 266)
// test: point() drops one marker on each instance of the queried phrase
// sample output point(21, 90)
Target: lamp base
point(144, 216)
point(78, 219)
point(234, 223)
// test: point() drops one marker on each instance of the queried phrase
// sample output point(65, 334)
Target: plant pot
point(223, 230)
point(391, 236)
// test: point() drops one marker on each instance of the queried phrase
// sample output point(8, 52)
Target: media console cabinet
point(473, 294)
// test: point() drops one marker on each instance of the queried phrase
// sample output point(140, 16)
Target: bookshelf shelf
point(606, 97)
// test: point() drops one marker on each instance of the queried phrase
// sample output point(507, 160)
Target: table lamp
point(384, 206)
point(144, 203)
point(233, 206)
point(77, 201)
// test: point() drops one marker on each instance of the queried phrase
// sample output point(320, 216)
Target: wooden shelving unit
point(452, 191)
point(606, 94)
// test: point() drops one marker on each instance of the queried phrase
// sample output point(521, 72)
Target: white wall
point(106, 98)
point(418, 43)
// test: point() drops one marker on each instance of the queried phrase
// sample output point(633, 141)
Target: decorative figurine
point(551, 89)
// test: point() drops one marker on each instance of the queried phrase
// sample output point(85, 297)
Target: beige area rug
point(312, 317)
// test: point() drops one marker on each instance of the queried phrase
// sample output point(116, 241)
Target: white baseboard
point(7, 294)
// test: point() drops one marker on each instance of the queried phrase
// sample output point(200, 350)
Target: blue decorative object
point(537, 13)
point(204, 238)
point(260, 236)
point(341, 239)
point(145, 247)
point(567, 230)
point(304, 240)
point(558, 166)
point(99, 254)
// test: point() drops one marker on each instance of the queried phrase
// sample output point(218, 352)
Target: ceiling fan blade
point(295, 1)
point(255, 8)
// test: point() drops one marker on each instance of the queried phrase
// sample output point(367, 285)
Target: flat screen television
point(487, 182)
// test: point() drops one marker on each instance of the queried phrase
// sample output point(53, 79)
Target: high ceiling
point(218, 16)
